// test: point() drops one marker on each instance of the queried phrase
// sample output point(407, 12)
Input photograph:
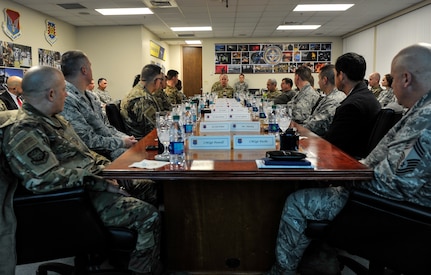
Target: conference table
point(220, 211)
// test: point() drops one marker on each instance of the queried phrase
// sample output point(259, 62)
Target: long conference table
point(221, 212)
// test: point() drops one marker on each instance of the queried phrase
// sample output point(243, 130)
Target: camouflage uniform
point(240, 87)
point(46, 154)
point(302, 103)
point(103, 96)
point(3, 106)
point(402, 171)
point(163, 100)
point(376, 90)
point(274, 94)
point(83, 111)
point(174, 96)
point(139, 109)
point(386, 96)
point(321, 118)
point(284, 97)
point(222, 91)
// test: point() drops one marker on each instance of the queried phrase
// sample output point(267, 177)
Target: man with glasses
point(139, 107)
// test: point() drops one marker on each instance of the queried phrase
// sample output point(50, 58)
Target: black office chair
point(114, 116)
point(385, 120)
point(390, 234)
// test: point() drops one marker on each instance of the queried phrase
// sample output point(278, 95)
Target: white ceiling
point(242, 18)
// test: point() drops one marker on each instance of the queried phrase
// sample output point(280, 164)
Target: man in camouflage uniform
point(222, 88)
point(302, 103)
point(401, 162)
point(46, 154)
point(83, 111)
point(374, 83)
point(174, 95)
point(321, 118)
point(162, 97)
point(286, 92)
point(101, 91)
point(241, 86)
point(139, 107)
point(273, 92)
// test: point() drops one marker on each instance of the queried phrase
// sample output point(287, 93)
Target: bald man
point(46, 154)
point(401, 162)
point(374, 83)
point(11, 98)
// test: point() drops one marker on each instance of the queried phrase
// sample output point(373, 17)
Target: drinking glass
point(284, 120)
point(163, 135)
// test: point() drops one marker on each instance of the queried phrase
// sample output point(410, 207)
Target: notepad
point(284, 164)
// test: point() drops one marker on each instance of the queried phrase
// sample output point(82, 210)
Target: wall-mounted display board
point(49, 58)
point(271, 58)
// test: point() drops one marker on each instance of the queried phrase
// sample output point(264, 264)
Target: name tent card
point(216, 116)
point(242, 126)
point(209, 143)
point(214, 126)
point(254, 142)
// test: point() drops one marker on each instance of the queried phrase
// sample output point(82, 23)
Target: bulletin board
point(271, 58)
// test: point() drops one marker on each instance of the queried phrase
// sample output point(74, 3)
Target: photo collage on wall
point(49, 58)
point(14, 60)
point(270, 58)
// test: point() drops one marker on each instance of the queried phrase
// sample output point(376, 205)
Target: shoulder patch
point(37, 156)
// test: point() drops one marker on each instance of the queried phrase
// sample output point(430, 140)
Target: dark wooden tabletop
point(330, 163)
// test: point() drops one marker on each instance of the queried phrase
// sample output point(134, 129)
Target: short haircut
point(352, 65)
point(328, 71)
point(149, 72)
point(72, 61)
point(288, 81)
point(171, 74)
point(100, 80)
point(304, 73)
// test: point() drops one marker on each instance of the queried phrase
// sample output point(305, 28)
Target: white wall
point(33, 28)
point(256, 80)
point(381, 43)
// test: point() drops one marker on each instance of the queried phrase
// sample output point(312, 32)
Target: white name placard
point(239, 116)
point(243, 126)
point(254, 142)
point(214, 126)
point(217, 109)
point(209, 143)
point(216, 116)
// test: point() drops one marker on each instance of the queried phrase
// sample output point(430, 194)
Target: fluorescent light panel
point(297, 27)
point(323, 7)
point(191, 29)
point(125, 11)
point(193, 42)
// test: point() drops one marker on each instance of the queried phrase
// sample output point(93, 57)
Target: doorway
point(192, 70)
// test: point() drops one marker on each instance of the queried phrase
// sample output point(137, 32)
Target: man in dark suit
point(354, 118)
point(11, 98)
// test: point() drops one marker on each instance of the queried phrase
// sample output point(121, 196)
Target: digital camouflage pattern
point(83, 111)
point(376, 90)
point(402, 171)
point(386, 96)
point(174, 96)
point(163, 100)
point(274, 94)
point(46, 154)
point(302, 103)
point(321, 118)
point(103, 96)
point(138, 110)
point(241, 87)
point(222, 91)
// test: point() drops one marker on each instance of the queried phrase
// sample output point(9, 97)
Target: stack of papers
point(271, 163)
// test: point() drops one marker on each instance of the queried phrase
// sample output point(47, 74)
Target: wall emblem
point(11, 27)
point(272, 55)
point(50, 32)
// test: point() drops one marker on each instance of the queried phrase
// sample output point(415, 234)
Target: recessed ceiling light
point(193, 42)
point(125, 11)
point(323, 7)
point(297, 27)
point(191, 29)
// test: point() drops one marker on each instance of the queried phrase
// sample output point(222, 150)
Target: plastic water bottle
point(176, 142)
point(188, 121)
point(272, 121)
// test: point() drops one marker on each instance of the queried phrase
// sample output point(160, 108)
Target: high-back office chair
point(388, 233)
point(386, 118)
point(114, 116)
point(57, 225)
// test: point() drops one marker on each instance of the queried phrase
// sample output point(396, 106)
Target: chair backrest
point(386, 118)
point(114, 116)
